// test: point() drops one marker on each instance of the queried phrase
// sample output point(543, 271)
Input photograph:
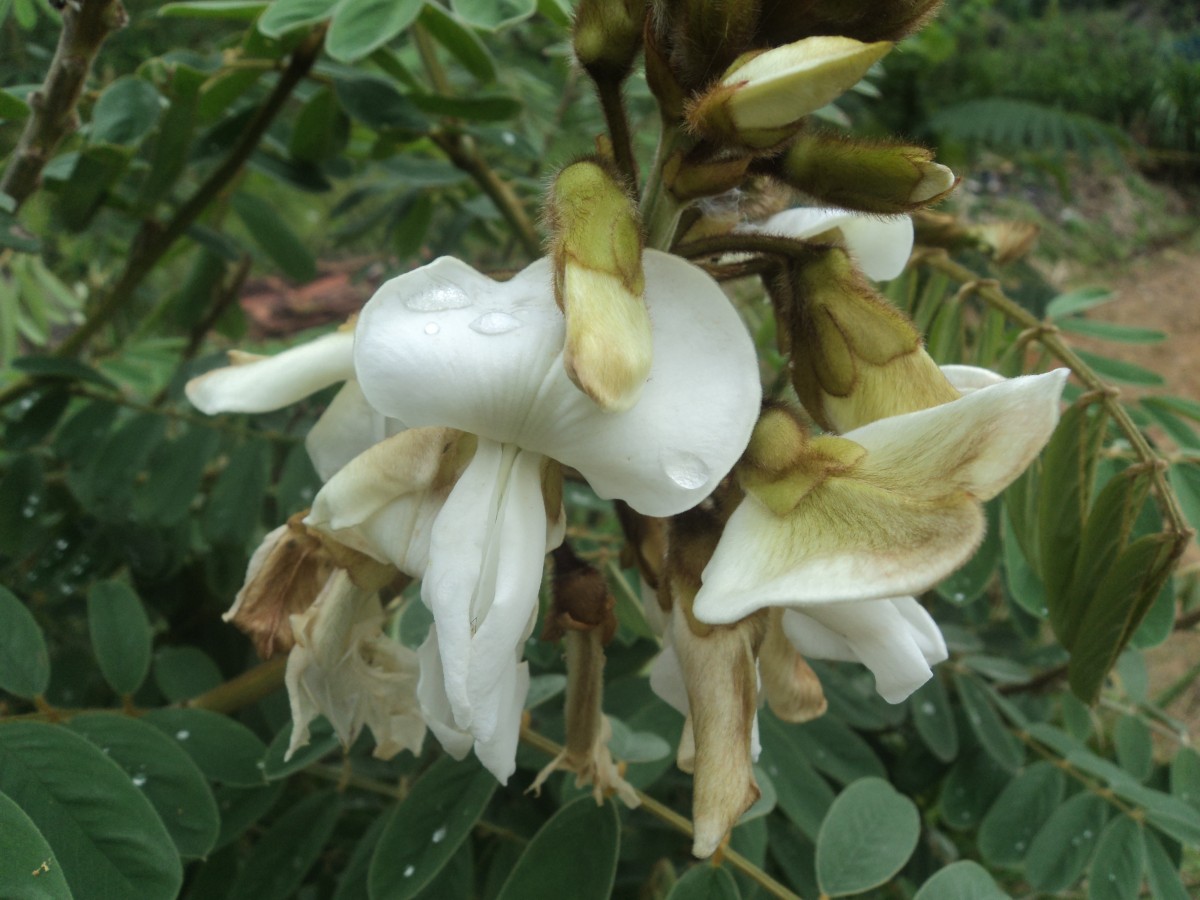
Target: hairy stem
point(609, 92)
point(86, 26)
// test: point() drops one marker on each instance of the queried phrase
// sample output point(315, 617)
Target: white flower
point(883, 512)
point(445, 346)
point(880, 246)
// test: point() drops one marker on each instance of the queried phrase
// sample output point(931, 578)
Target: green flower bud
point(763, 97)
point(608, 36)
point(863, 20)
point(855, 357)
point(878, 178)
point(599, 284)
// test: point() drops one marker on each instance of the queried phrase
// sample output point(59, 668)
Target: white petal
point(836, 547)
point(493, 367)
point(435, 706)
point(966, 379)
point(347, 427)
point(276, 381)
point(498, 752)
point(485, 569)
point(877, 633)
point(978, 444)
point(880, 246)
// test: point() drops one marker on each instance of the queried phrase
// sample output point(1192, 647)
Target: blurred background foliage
point(200, 206)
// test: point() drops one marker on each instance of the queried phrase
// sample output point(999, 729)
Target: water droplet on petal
point(685, 469)
point(432, 328)
point(409, 870)
point(495, 323)
point(439, 835)
point(438, 299)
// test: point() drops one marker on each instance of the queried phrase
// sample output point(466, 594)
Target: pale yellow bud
point(855, 357)
point(608, 35)
point(869, 177)
point(762, 98)
point(599, 284)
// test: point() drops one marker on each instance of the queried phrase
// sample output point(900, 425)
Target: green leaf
point(1161, 874)
point(1116, 872)
point(29, 869)
point(573, 855)
point(1008, 829)
point(126, 111)
point(963, 880)
point(836, 750)
point(705, 881)
point(225, 750)
point(1185, 776)
point(105, 487)
point(1119, 370)
point(1077, 301)
point(1185, 481)
point(68, 369)
point(97, 169)
point(1024, 586)
point(934, 720)
point(12, 107)
point(380, 106)
point(868, 835)
point(171, 146)
point(1111, 331)
point(993, 736)
point(1061, 848)
point(232, 513)
point(37, 420)
point(1119, 604)
point(427, 827)
point(1176, 428)
point(802, 794)
point(174, 476)
point(109, 840)
point(493, 108)
point(120, 634)
point(184, 672)
point(275, 237)
point(361, 26)
point(975, 780)
point(634, 747)
point(410, 224)
point(22, 496)
point(352, 881)
point(445, 28)
point(322, 741)
point(284, 15)
point(281, 858)
point(1135, 752)
point(321, 129)
point(24, 660)
point(167, 776)
point(237, 10)
point(242, 807)
point(492, 15)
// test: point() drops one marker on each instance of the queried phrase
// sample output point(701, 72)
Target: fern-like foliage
point(1007, 125)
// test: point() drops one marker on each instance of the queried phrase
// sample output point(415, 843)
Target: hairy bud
point(881, 178)
point(864, 20)
point(762, 98)
point(608, 36)
point(599, 284)
point(855, 357)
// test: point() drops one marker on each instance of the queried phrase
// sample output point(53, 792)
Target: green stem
point(613, 106)
point(660, 211)
point(86, 26)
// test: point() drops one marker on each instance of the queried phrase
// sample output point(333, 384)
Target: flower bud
point(762, 98)
point(608, 36)
point(881, 178)
point(855, 357)
point(599, 284)
point(689, 180)
point(703, 37)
